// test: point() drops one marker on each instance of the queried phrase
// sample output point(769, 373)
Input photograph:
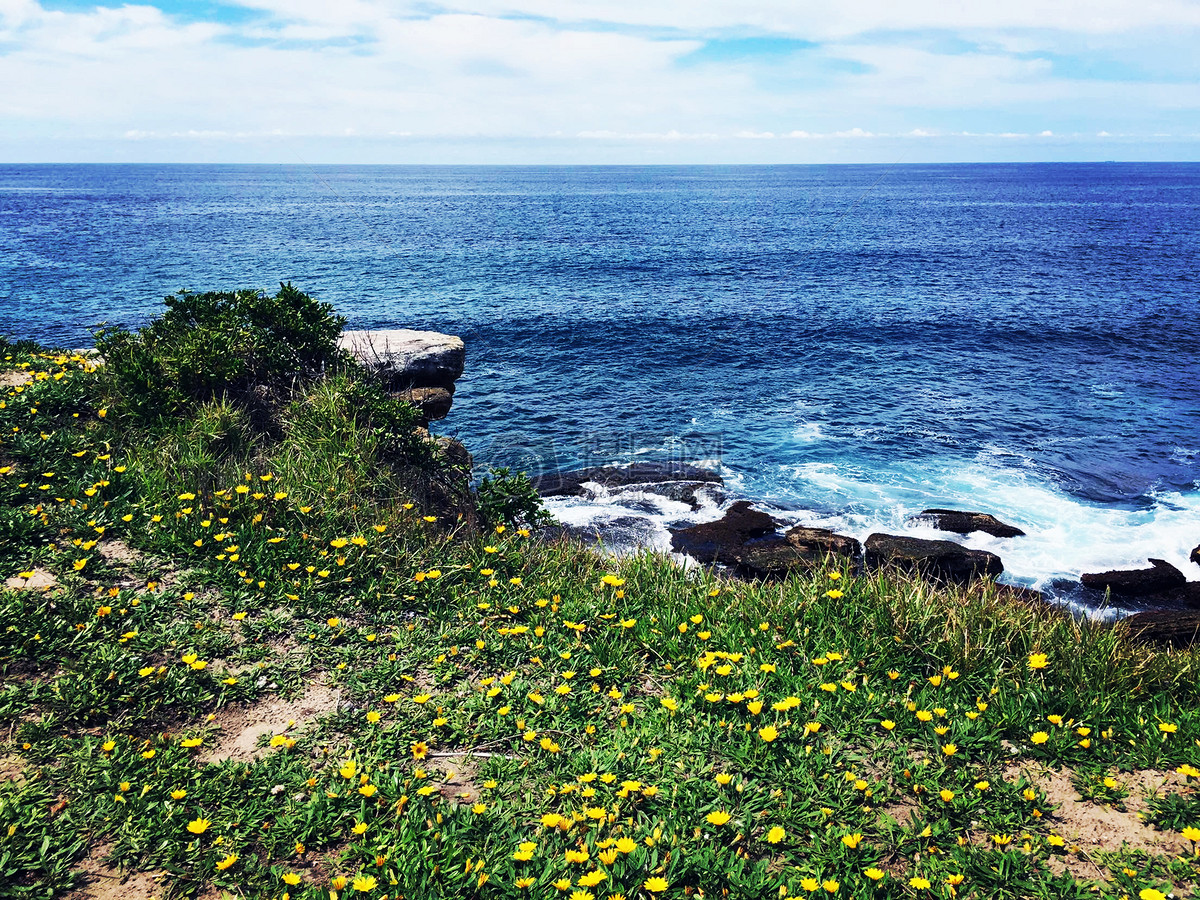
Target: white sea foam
point(1065, 535)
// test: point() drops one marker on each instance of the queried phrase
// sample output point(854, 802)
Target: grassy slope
point(514, 719)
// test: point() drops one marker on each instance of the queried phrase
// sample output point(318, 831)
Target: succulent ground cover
point(248, 665)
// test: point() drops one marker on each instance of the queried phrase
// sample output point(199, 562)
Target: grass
point(516, 719)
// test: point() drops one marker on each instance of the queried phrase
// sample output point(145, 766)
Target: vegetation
point(440, 714)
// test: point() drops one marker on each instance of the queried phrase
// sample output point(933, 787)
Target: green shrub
point(218, 345)
point(509, 498)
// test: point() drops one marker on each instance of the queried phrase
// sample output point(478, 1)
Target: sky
point(599, 81)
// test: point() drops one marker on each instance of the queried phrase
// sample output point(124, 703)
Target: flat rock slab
point(959, 522)
point(567, 484)
point(1161, 577)
point(406, 358)
point(944, 560)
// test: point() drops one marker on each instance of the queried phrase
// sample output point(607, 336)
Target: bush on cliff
point(214, 345)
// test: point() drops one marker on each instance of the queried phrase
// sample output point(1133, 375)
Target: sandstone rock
point(405, 358)
point(1137, 582)
point(960, 522)
point(432, 402)
point(722, 541)
point(1179, 629)
point(943, 560)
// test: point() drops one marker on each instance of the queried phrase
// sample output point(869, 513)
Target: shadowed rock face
point(1160, 626)
point(958, 522)
point(1195, 556)
point(942, 560)
point(1137, 582)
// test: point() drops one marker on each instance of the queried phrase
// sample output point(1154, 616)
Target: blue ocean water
point(851, 343)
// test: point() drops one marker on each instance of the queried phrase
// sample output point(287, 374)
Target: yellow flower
point(178, 794)
point(776, 834)
point(373, 717)
point(724, 778)
point(717, 817)
point(198, 826)
point(364, 883)
point(348, 769)
point(670, 703)
point(479, 809)
point(1167, 727)
point(655, 885)
point(227, 862)
point(946, 795)
point(851, 840)
point(522, 883)
point(1191, 833)
point(921, 884)
point(291, 878)
point(1151, 894)
point(873, 873)
point(1039, 737)
point(950, 749)
point(191, 742)
point(831, 886)
point(768, 733)
point(419, 749)
point(809, 884)
point(360, 828)
point(1002, 840)
point(1055, 841)
point(1037, 661)
point(887, 724)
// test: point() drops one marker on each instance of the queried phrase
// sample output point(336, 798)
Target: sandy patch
point(1094, 827)
point(11, 768)
point(41, 580)
point(14, 379)
point(117, 551)
point(103, 882)
point(242, 727)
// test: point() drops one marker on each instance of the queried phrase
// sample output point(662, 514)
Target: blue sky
point(601, 81)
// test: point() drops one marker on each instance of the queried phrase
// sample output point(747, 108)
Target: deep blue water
point(853, 343)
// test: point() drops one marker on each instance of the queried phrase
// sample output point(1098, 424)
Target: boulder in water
point(723, 541)
point(940, 560)
point(799, 548)
point(960, 522)
point(1195, 555)
point(1161, 577)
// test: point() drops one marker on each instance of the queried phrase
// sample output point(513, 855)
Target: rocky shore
point(749, 543)
point(422, 368)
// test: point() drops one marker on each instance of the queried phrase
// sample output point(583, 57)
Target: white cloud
point(595, 72)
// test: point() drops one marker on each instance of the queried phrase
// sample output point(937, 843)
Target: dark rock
point(942, 560)
point(1137, 582)
point(680, 479)
point(1195, 556)
point(817, 543)
point(800, 548)
point(958, 522)
point(1179, 629)
point(722, 541)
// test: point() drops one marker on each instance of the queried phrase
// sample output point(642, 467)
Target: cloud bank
point(602, 81)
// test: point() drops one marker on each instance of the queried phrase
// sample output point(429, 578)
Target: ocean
point(848, 345)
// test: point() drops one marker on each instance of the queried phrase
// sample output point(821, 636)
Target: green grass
point(515, 719)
